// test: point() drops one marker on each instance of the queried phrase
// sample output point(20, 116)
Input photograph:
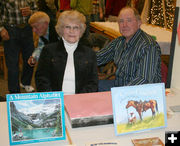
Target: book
point(89, 109)
point(35, 117)
point(139, 108)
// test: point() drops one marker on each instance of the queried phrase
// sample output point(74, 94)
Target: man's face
point(40, 28)
point(128, 24)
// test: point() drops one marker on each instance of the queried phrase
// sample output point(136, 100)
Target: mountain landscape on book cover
point(36, 120)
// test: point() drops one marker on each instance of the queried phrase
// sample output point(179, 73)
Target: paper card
point(139, 108)
point(35, 117)
point(104, 143)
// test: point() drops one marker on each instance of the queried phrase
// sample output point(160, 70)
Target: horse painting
point(143, 106)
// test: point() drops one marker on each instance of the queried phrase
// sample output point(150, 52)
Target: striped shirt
point(10, 11)
point(138, 61)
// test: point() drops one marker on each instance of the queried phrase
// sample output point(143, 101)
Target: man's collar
point(135, 37)
point(47, 34)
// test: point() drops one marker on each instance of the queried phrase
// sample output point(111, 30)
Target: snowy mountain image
point(34, 119)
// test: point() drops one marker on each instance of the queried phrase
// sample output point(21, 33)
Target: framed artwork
point(35, 117)
point(139, 108)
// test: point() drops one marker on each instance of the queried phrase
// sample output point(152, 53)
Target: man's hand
point(4, 34)
point(32, 61)
point(26, 11)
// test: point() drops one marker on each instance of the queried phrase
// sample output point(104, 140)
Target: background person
point(136, 55)
point(84, 7)
point(68, 64)
point(40, 23)
point(17, 36)
point(64, 5)
point(112, 9)
point(98, 10)
point(44, 5)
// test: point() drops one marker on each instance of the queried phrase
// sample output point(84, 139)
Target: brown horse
point(137, 105)
point(143, 106)
point(151, 104)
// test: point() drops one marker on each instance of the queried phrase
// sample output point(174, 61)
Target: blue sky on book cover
point(35, 117)
point(139, 108)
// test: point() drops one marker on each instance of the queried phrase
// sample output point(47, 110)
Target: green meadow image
point(147, 123)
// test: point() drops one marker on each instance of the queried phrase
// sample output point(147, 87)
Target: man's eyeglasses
point(129, 20)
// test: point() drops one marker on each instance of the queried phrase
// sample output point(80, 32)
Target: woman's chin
point(71, 41)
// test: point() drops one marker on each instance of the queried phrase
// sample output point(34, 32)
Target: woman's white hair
point(73, 16)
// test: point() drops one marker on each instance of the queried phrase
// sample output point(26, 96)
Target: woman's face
point(71, 31)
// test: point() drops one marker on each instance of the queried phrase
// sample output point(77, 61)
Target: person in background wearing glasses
point(42, 27)
point(136, 55)
point(68, 65)
point(17, 37)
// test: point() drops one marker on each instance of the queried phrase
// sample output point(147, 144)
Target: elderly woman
point(68, 65)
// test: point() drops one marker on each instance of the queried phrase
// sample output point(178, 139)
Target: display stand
point(173, 80)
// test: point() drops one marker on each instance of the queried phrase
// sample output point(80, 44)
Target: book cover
point(35, 117)
point(139, 108)
point(89, 109)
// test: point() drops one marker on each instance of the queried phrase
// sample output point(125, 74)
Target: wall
point(175, 80)
point(178, 3)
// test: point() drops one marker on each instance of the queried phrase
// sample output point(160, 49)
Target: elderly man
point(135, 53)
point(40, 23)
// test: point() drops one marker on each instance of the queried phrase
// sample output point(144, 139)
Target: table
point(111, 30)
point(84, 135)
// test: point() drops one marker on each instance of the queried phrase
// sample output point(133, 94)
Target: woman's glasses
point(69, 28)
